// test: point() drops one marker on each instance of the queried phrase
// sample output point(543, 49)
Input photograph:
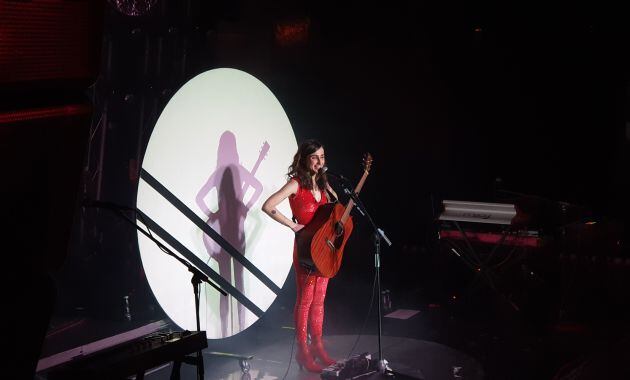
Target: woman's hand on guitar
point(297, 227)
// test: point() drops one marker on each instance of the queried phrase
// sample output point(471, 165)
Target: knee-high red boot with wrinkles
point(305, 291)
point(316, 322)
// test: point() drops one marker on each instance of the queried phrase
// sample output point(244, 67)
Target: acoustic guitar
point(320, 243)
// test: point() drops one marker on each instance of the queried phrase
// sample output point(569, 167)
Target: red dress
point(303, 205)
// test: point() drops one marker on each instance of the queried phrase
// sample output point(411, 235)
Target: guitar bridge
point(331, 245)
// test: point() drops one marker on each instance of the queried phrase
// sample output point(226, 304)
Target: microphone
point(109, 205)
point(324, 169)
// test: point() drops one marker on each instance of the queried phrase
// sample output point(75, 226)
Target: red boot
point(316, 322)
point(304, 357)
point(318, 351)
point(305, 290)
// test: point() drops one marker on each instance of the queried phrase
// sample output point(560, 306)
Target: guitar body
point(320, 244)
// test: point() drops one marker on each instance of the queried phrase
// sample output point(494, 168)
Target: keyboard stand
point(177, 364)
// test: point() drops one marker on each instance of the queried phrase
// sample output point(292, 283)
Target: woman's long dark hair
point(299, 168)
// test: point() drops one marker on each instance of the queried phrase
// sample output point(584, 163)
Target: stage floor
point(408, 358)
point(476, 335)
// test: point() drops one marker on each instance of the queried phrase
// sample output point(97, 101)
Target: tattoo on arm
point(273, 211)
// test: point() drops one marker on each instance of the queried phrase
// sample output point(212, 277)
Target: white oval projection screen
point(221, 146)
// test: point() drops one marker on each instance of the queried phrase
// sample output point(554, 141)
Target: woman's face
point(316, 160)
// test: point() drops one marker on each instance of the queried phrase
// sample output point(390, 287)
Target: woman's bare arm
point(269, 207)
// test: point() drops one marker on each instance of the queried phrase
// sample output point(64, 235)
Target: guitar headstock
point(367, 162)
point(264, 150)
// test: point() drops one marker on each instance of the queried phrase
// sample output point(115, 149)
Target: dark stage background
point(455, 100)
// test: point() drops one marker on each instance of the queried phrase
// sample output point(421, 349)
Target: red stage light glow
point(292, 33)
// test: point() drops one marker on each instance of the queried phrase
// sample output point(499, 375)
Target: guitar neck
point(350, 205)
point(261, 157)
point(255, 168)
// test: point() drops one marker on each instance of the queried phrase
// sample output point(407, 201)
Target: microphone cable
point(366, 318)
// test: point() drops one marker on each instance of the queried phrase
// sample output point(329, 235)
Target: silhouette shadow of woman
point(231, 181)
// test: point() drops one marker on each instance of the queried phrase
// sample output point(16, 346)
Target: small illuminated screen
point(221, 146)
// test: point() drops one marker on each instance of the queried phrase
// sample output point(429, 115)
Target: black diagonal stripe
point(200, 264)
point(163, 191)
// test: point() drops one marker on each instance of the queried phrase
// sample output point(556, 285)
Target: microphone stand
point(382, 364)
point(196, 279)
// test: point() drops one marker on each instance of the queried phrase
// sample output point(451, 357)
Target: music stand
point(196, 280)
